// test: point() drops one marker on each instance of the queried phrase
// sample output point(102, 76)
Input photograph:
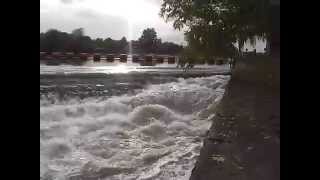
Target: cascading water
point(153, 133)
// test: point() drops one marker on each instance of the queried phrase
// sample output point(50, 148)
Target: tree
point(99, 43)
point(123, 43)
point(85, 44)
point(109, 45)
point(214, 26)
point(148, 40)
point(77, 42)
point(52, 40)
point(168, 48)
point(78, 32)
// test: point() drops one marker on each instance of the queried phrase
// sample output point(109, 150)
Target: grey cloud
point(87, 13)
point(103, 25)
point(94, 24)
point(157, 2)
point(174, 37)
point(70, 1)
point(66, 1)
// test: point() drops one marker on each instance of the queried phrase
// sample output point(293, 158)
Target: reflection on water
point(118, 67)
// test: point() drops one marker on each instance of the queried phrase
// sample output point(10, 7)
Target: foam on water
point(155, 134)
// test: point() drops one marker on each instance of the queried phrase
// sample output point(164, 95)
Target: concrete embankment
point(244, 139)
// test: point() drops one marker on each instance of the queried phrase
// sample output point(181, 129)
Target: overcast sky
point(111, 18)
point(107, 18)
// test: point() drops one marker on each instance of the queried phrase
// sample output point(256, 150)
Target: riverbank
point(244, 139)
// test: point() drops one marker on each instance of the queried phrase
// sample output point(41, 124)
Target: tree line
point(57, 41)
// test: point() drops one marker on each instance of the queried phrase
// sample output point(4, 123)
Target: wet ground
point(244, 139)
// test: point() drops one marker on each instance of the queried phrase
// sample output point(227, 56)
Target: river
point(123, 121)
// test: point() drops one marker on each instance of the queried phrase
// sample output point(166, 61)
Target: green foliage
point(168, 48)
point(213, 27)
point(78, 32)
point(149, 43)
point(148, 40)
point(54, 40)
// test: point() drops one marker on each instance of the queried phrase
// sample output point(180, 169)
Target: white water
point(116, 67)
point(154, 134)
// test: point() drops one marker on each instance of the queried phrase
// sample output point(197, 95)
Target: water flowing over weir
point(154, 132)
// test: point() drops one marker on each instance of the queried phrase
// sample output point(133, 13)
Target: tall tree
point(78, 32)
point(99, 43)
point(214, 26)
point(123, 43)
point(148, 40)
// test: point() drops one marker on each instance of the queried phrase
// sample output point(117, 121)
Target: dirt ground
point(244, 139)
